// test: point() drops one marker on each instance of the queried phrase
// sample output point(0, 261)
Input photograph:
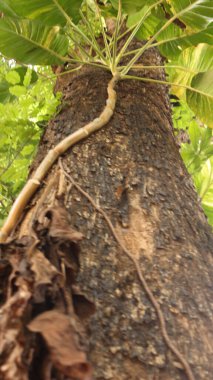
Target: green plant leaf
point(207, 204)
point(193, 60)
point(31, 42)
point(202, 103)
point(204, 185)
point(23, 71)
point(17, 75)
point(173, 40)
point(204, 179)
point(12, 77)
point(6, 9)
point(5, 94)
point(149, 24)
point(197, 14)
point(18, 90)
point(130, 6)
point(50, 12)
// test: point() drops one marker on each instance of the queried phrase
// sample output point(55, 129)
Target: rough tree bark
point(133, 170)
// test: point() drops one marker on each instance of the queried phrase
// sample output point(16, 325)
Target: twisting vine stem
point(33, 183)
point(141, 277)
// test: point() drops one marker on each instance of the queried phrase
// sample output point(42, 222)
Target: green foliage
point(29, 41)
point(49, 12)
point(21, 128)
point(194, 71)
point(194, 13)
point(202, 82)
point(21, 76)
point(197, 153)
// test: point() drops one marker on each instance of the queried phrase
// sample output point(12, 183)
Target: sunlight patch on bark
point(139, 236)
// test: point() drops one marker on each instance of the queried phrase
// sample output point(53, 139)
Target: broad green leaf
point(167, 38)
point(12, 77)
point(204, 185)
point(202, 102)
point(50, 12)
point(192, 61)
point(149, 24)
point(31, 42)
point(204, 180)
point(6, 8)
point(173, 40)
point(130, 6)
point(196, 14)
point(207, 203)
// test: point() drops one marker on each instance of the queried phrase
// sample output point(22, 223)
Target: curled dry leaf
point(45, 276)
point(62, 343)
point(11, 336)
point(43, 270)
point(59, 225)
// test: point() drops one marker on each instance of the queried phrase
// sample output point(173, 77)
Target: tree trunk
point(133, 170)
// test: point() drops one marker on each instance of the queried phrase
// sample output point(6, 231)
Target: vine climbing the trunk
point(33, 183)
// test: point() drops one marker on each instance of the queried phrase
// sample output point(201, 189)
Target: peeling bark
point(68, 262)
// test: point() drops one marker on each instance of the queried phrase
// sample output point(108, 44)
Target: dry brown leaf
point(60, 226)
point(43, 270)
point(11, 336)
point(61, 340)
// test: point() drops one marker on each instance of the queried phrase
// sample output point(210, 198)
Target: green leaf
point(202, 102)
point(18, 90)
point(31, 42)
point(5, 8)
point(193, 60)
point(208, 206)
point(5, 95)
point(50, 12)
point(23, 72)
point(130, 6)
point(204, 179)
point(17, 75)
point(196, 14)
point(173, 40)
point(207, 199)
point(13, 77)
point(149, 24)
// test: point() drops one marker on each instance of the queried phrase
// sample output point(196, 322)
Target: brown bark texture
point(72, 306)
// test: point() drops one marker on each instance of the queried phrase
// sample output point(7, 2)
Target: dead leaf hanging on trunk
point(61, 340)
point(11, 336)
point(56, 220)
